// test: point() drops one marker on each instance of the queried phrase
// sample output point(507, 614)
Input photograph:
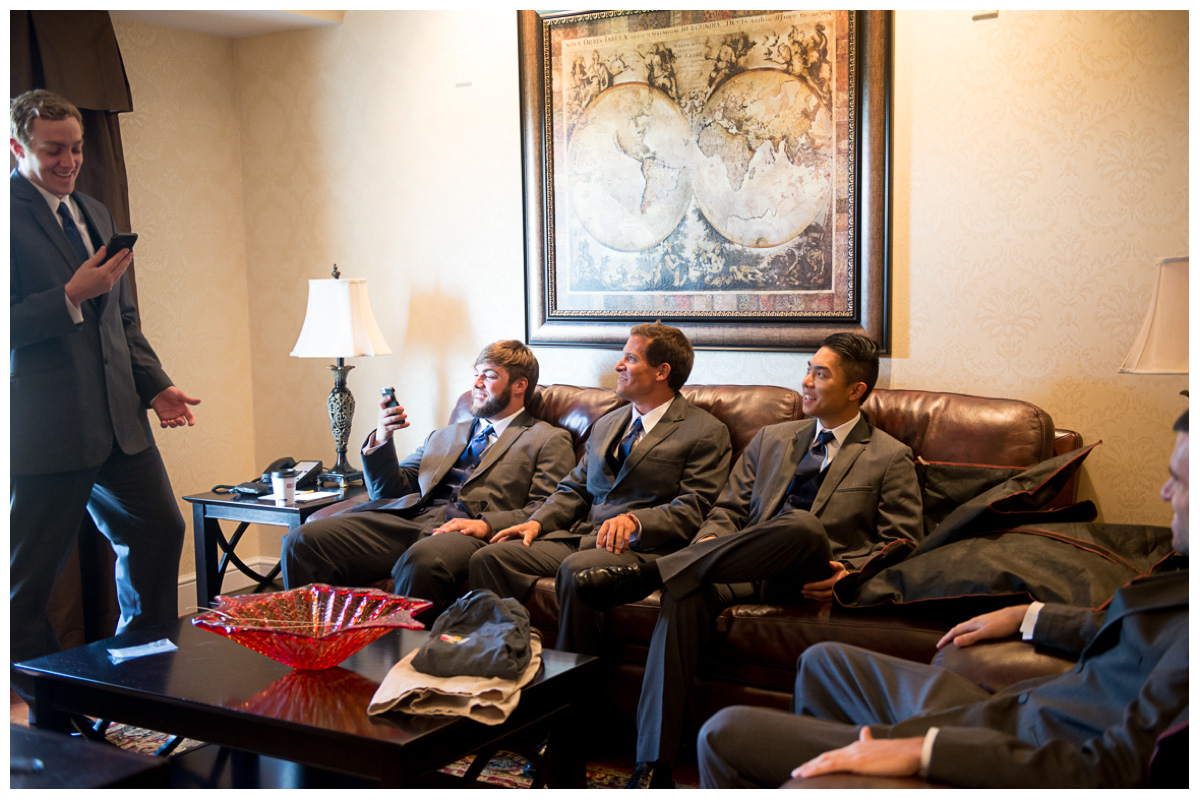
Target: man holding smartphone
point(430, 512)
point(81, 377)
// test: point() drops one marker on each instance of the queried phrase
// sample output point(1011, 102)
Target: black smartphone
point(390, 393)
point(120, 241)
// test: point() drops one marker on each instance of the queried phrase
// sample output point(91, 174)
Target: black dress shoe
point(650, 775)
point(603, 588)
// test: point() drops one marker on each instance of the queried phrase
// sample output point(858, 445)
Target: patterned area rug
point(140, 740)
point(505, 770)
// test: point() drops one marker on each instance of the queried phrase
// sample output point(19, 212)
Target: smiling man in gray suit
point(446, 500)
point(805, 501)
point(81, 376)
point(651, 471)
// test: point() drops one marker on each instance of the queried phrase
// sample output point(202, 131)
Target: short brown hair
point(516, 358)
point(667, 346)
point(38, 104)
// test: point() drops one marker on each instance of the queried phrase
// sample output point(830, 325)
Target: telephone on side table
point(308, 473)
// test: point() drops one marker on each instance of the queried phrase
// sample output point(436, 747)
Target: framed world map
point(726, 172)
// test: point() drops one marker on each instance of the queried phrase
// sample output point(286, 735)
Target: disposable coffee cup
point(283, 484)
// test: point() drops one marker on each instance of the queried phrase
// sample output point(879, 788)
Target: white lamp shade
point(1162, 345)
point(339, 322)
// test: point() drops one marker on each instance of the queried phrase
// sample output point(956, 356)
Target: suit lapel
point(522, 423)
point(611, 437)
point(851, 449)
point(446, 459)
point(92, 230)
point(665, 427)
point(799, 445)
point(26, 192)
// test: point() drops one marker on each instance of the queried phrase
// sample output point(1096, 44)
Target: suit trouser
point(510, 569)
point(839, 689)
point(786, 552)
point(352, 548)
point(581, 627)
point(130, 499)
point(434, 568)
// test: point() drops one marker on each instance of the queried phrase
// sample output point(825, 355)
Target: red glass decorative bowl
point(313, 627)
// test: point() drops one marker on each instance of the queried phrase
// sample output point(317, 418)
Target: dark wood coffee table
point(214, 690)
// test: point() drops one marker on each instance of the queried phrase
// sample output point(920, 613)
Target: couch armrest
point(995, 665)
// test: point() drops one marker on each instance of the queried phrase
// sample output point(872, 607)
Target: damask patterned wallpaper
point(185, 180)
point(1041, 165)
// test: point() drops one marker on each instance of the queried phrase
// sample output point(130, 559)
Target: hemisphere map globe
point(629, 167)
point(763, 147)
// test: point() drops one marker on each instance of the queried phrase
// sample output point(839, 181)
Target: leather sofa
point(751, 659)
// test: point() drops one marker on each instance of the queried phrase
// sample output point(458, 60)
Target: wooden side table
point(214, 553)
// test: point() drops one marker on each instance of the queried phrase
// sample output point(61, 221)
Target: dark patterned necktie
point(72, 232)
point(478, 445)
point(627, 443)
point(803, 489)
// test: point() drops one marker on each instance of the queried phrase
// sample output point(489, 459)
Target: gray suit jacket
point(669, 481)
point(1095, 725)
point(869, 496)
point(72, 387)
point(514, 476)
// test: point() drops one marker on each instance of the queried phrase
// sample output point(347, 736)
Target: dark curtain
point(75, 54)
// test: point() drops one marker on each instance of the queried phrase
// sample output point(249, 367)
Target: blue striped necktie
point(478, 445)
point(627, 443)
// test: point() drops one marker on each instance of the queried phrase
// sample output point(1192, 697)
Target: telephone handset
point(307, 472)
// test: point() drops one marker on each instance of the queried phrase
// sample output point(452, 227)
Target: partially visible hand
point(867, 756)
point(615, 533)
point(171, 406)
point(998, 624)
point(94, 278)
point(822, 591)
point(390, 420)
point(526, 531)
point(479, 528)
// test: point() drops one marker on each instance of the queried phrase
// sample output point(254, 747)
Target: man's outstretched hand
point(171, 405)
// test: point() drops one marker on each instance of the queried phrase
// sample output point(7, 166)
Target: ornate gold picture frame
point(726, 172)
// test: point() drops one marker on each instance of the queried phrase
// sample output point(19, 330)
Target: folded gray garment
point(481, 635)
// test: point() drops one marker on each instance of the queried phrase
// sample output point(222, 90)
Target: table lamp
point(1161, 348)
point(339, 324)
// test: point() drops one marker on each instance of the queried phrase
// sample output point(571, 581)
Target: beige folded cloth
point(486, 700)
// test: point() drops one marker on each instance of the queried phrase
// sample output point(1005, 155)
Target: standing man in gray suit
point(81, 376)
point(650, 473)
point(446, 500)
point(1097, 725)
point(805, 501)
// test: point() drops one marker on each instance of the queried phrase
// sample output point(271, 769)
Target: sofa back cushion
point(962, 428)
point(745, 409)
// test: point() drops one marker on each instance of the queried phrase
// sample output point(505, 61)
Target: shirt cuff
point(636, 536)
point(1030, 620)
point(369, 447)
point(927, 751)
point(74, 310)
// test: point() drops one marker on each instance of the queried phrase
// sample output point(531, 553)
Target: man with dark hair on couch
point(1097, 725)
point(805, 501)
point(444, 501)
point(650, 473)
